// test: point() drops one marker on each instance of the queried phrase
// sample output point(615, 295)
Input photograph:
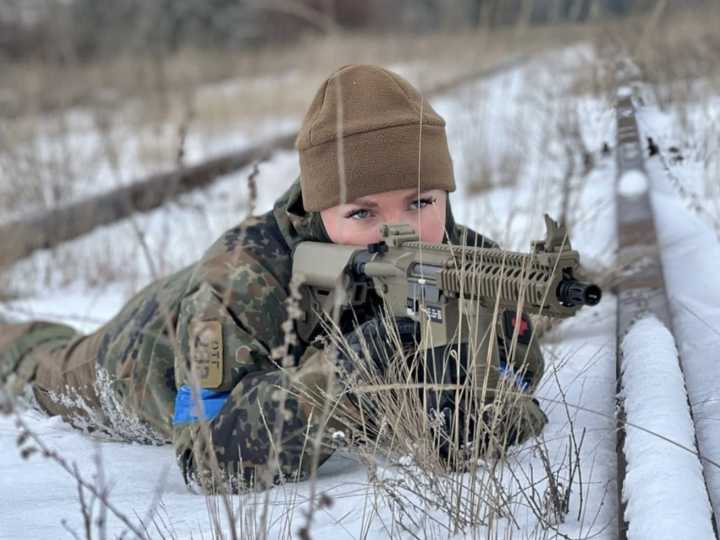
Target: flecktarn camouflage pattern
point(207, 358)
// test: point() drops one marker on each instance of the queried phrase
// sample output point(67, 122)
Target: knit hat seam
point(317, 115)
point(423, 126)
point(417, 109)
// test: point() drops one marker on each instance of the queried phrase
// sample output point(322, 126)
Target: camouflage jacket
point(226, 314)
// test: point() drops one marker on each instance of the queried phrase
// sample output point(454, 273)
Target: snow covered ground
point(508, 126)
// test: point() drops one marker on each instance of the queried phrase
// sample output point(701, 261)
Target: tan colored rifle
point(453, 291)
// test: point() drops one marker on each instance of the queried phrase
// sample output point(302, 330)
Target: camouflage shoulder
point(258, 241)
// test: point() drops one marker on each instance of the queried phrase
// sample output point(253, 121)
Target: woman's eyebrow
point(365, 203)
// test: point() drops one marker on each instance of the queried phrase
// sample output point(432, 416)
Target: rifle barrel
point(576, 293)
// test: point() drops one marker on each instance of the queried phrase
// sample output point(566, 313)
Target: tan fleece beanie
point(385, 144)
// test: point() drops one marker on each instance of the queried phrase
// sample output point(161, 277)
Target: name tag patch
point(206, 350)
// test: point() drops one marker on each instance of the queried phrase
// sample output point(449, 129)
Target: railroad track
point(49, 229)
point(654, 415)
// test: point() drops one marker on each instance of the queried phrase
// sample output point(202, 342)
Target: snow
point(690, 255)
point(664, 486)
point(633, 184)
point(496, 121)
point(624, 91)
point(84, 309)
point(135, 476)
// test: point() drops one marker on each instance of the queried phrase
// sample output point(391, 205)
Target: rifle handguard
point(428, 281)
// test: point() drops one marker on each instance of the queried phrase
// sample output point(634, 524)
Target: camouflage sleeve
point(264, 431)
point(239, 419)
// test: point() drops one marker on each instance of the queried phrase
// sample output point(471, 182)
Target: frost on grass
point(112, 421)
point(664, 487)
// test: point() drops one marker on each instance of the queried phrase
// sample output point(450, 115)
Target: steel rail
point(643, 291)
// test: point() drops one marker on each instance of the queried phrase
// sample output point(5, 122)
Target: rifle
point(454, 292)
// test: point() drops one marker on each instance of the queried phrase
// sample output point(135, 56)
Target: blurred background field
point(95, 95)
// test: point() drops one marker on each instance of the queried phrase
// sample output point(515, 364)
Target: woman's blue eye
point(422, 203)
point(358, 214)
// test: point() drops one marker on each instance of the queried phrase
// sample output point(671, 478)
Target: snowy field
point(510, 134)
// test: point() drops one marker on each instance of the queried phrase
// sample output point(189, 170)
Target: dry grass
point(34, 87)
point(478, 168)
point(672, 57)
point(143, 109)
point(288, 79)
point(677, 54)
point(31, 173)
point(673, 50)
point(466, 489)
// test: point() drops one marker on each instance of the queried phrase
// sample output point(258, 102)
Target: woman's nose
point(395, 218)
